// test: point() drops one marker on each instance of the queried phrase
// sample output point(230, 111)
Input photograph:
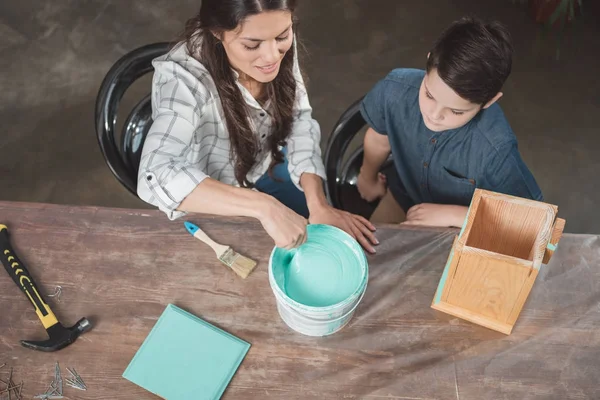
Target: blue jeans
point(283, 190)
point(396, 187)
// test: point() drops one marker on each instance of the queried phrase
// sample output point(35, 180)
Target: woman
point(231, 114)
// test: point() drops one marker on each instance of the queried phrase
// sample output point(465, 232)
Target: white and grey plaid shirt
point(188, 140)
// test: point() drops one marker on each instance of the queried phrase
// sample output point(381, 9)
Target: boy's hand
point(428, 214)
point(371, 189)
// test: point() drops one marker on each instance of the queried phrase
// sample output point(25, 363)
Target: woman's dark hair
point(214, 18)
point(473, 58)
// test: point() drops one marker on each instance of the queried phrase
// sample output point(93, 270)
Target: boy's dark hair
point(473, 58)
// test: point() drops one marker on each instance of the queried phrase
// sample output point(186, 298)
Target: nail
point(72, 382)
point(51, 389)
point(9, 388)
point(75, 386)
point(79, 378)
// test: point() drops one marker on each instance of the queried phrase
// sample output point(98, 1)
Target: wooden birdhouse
point(496, 257)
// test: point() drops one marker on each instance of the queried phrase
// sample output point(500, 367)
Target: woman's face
point(257, 46)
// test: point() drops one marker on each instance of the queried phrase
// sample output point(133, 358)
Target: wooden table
point(120, 268)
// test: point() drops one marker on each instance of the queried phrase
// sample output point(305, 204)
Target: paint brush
point(238, 263)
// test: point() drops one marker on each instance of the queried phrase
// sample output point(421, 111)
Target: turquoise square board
point(185, 357)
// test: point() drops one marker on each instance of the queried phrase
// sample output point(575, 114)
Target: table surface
point(120, 268)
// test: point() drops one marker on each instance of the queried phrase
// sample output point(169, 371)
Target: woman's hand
point(320, 212)
point(285, 227)
point(356, 226)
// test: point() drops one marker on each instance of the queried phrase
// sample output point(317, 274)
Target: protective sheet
point(122, 267)
point(412, 351)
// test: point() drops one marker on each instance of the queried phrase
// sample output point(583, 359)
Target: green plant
point(554, 15)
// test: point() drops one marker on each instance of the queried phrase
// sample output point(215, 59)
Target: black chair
point(342, 175)
point(123, 154)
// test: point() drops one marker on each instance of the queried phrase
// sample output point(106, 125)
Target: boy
point(446, 133)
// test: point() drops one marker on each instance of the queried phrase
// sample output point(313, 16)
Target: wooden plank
point(522, 297)
point(121, 267)
point(471, 216)
point(474, 317)
point(518, 200)
point(487, 285)
point(537, 250)
point(557, 231)
point(499, 257)
point(445, 284)
point(507, 227)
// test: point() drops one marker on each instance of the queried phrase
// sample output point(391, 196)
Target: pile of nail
point(55, 391)
point(11, 388)
point(76, 382)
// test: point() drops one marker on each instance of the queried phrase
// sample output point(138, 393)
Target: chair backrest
point(344, 130)
point(123, 158)
point(342, 175)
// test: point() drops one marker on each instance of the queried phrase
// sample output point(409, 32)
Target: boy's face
point(441, 107)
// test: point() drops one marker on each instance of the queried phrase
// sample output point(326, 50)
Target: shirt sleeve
point(373, 107)
point(304, 142)
point(508, 174)
point(165, 176)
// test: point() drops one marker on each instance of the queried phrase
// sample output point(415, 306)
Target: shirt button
point(262, 114)
point(433, 141)
point(263, 135)
point(426, 164)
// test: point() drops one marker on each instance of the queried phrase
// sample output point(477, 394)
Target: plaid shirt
point(188, 140)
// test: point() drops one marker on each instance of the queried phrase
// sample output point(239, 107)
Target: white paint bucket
point(325, 319)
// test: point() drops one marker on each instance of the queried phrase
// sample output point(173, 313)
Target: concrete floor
point(55, 54)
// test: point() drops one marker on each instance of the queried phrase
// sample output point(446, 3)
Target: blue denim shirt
point(446, 167)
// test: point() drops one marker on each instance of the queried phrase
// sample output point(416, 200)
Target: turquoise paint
point(440, 289)
point(464, 225)
point(551, 247)
point(326, 270)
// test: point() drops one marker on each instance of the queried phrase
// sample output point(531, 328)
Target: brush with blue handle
point(238, 263)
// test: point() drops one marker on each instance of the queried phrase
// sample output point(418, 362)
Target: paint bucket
point(319, 285)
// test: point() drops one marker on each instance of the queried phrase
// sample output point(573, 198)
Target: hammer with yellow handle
point(59, 336)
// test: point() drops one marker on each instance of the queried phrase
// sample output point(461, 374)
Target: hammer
point(59, 336)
